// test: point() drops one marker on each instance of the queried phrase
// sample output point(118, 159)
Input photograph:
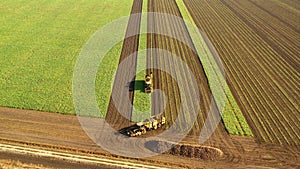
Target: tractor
point(148, 83)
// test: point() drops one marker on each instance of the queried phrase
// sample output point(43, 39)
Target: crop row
point(289, 74)
point(285, 79)
point(276, 32)
point(242, 52)
point(288, 15)
point(165, 80)
point(177, 29)
point(255, 84)
point(232, 116)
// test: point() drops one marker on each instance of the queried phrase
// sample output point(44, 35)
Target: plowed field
point(260, 49)
point(163, 80)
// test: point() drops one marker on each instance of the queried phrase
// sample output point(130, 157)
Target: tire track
point(73, 157)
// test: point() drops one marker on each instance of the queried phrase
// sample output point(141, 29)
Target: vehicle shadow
point(126, 129)
point(136, 85)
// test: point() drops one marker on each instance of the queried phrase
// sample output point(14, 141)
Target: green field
point(39, 45)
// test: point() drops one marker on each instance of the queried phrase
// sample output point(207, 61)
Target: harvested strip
point(130, 46)
point(168, 85)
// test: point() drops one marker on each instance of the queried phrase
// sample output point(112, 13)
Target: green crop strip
point(142, 100)
point(105, 78)
point(39, 45)
point(234, 121)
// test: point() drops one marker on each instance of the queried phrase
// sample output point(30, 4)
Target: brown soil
point(9, 164)
point(114, 117)
point(163, 80)
point(10, 160)
point(185, 150)
point(260, 53)
point(64, 133)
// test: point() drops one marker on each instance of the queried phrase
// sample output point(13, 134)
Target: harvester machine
point(154, 122)
point(151, 123)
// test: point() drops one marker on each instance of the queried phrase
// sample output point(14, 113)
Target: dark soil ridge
point(185, 150)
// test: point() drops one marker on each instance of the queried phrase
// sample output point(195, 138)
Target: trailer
point(151, 123)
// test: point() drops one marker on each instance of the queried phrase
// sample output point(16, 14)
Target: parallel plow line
point(232, 116)
point(257, 85)
point(260, 97)
point(169, 86)
point(274, 8)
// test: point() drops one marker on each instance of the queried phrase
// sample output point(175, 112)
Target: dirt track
point(64, 133)
point(22, 161)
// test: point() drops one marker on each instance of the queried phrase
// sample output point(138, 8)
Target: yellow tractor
point(148, 83)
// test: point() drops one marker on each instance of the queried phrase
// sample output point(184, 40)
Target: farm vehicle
point(151, 123)
point(148, 83)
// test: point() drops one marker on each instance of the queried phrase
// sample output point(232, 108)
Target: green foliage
point(142, 100)
point(39, 44)
point(105, 77)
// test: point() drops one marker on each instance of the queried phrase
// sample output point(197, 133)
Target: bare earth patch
point(9, 164)
point(64, 133)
